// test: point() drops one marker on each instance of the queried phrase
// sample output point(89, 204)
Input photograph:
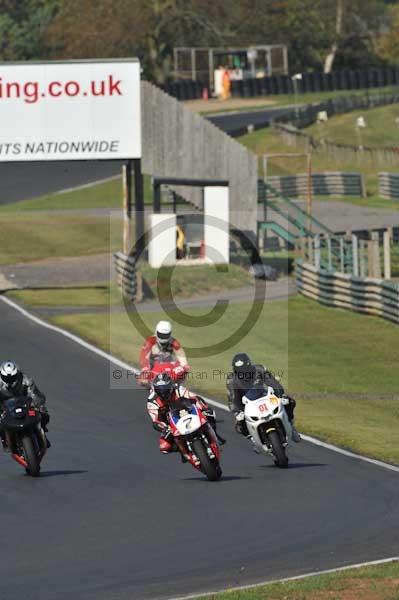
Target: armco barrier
point(125, 267)
point(333, 183)
point(370, 296)
point(388, 185)
point(303, 116)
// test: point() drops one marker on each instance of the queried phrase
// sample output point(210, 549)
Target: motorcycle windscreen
point(186, 420)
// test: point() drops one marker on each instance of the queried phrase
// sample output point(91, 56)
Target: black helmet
point(163, 386)
point(240, 362)
point(243, 367)
point(10, 373)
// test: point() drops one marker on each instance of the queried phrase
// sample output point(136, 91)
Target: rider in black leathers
point(14, 383)
point(244, 377)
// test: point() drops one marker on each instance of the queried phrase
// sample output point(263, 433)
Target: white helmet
point(9, 373)
point(163, 333)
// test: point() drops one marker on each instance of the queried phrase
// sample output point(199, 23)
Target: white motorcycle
point(268, 424)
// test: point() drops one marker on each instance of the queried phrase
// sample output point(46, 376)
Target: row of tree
point(320, 34)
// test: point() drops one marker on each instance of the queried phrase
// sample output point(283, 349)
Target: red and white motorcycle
point(195, 437)
point(164, 362)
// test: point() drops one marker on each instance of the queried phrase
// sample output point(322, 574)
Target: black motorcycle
point(22, 433)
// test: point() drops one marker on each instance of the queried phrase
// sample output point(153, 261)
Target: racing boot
point(4, 442)
point(254, 446)
point(45, 430)
point(240, 424)
point(211, 416)
point(295, 436)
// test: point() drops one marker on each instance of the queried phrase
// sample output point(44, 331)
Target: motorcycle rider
point(247, 376)
point(161, 341)
point(164, 392)
point(14, 383)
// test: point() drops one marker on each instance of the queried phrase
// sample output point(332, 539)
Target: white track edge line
point(89, 184)
point(289, 579)
point(219, 405)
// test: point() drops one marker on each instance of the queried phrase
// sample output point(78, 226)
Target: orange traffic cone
point(205, 94)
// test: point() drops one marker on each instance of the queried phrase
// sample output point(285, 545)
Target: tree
point(328, 63)
point(326, 34)
point(21, 27)
point(319, 33)
point(151, 28)
point(387, 44)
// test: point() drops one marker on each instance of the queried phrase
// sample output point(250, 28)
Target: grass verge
point(185, 282)
point(107, 194)
point(265, 141)
point(341, 366)
point(100, 296)
point(26, 237)
point(382, 127)
point(380, 582)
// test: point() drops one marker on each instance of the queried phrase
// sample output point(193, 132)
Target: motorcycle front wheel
point(280, 457)
point(209, 467)
point(31, 457)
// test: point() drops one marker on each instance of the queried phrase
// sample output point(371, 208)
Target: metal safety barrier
point(364, 295)
point(333, 183)
point(388, 185)
point(125, 267)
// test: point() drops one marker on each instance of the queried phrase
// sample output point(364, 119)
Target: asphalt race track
point(112, 519)
point(19, 181)
point(236, 123)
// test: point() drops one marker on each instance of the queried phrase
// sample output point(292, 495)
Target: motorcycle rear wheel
point(209, 467)
point(280, 457)
point(33, 468)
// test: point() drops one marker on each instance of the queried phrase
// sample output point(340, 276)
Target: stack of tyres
point(363, 79)
point(280, 84)
point(236, 88)
point(343, 80)
point(246, 91)
point(268, 86)
point(273, 85)
point(198, 88)
point(310, 82)
point(390, 76)
point(276, 85)
point(353, 81)
point(263, 86)
point(381, 78)
point(286, 81)
point(191, 90)
point(369, 79)
point(257, 87)
point(318, 82)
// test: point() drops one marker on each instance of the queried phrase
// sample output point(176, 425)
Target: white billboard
point(75, 110)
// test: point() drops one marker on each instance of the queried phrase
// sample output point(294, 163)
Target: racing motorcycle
point(21, 428)
point(195, 438)
point(269, 426)
point(164, 362)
